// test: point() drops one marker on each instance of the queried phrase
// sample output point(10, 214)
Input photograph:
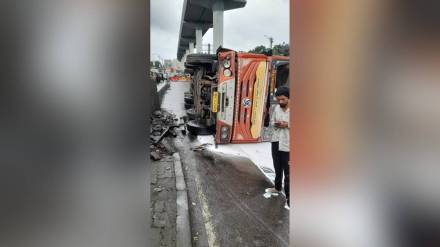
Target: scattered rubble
point(155, 155)
point(201, 147)
point(163, 124)
point(158, 189)
point(196, 237)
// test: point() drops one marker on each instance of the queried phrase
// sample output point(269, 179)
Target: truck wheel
point(189, 71)
point(196, 128)
point(191, 113)
point(189, 100)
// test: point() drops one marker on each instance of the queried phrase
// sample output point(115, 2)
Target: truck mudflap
point(250, 98)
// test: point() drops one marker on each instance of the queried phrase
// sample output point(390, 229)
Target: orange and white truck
point(232, 93)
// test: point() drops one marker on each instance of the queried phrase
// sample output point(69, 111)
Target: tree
point(281, 49)
point(156, 64)
point(261, 49)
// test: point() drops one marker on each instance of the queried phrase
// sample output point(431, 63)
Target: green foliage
point(261, 49)
point(279, 49)
point(155, 64)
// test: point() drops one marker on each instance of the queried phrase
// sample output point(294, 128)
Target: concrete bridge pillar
point(199, 40)
point(191, 47)
point(218, 10)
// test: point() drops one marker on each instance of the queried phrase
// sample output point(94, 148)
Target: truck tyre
point(189, 71)
point(188, 106)
point(189, 100)
point(196, 128)
point(191, 113)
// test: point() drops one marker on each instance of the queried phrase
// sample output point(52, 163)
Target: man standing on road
point(281, 143)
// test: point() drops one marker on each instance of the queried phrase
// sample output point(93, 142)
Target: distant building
point(177, 65)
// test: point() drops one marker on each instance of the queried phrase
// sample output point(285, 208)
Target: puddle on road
point(258, 153)
point(173, 100)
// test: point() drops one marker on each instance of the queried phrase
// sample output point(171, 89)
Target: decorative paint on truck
point(251, 86)
point(260, 87)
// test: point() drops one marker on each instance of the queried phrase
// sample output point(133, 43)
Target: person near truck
point(281, 143)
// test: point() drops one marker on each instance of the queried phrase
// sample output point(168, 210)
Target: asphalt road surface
point(226, 202)
point(227, 205)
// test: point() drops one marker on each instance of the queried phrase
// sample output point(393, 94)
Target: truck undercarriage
point(203, 71)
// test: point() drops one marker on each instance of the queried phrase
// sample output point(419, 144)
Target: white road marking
point(209, 226)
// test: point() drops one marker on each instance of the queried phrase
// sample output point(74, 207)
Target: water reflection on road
point(173, 100)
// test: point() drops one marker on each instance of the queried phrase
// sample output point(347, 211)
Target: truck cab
point(232, 93)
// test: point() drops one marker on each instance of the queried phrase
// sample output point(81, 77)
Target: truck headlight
point(227, 73)
point(224, 132)
point(227, 64)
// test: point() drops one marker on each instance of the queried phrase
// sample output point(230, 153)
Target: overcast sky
point(244, 28)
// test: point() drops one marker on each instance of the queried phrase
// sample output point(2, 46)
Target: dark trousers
point(281, 165)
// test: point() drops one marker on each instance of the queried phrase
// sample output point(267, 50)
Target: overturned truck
point(232, 94)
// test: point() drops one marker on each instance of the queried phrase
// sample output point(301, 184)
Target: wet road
point(227, 207)
point(173, 99)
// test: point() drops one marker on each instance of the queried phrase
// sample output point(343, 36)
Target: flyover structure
point(198, 16)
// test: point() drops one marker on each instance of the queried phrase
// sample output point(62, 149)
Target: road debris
point(158, 189)
point(155, 155)
point(163, 124)
point(267, 195)
point(270, 194)
point(201, 147)
point(266, 169)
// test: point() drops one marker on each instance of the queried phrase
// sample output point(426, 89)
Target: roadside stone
point(155, 156)
point(159, 207)
point(156, 122)
point(163, 205)
point(173, 132)
point(157, 114)
point(153, 178)
point(158, 189)
point(159, 223)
